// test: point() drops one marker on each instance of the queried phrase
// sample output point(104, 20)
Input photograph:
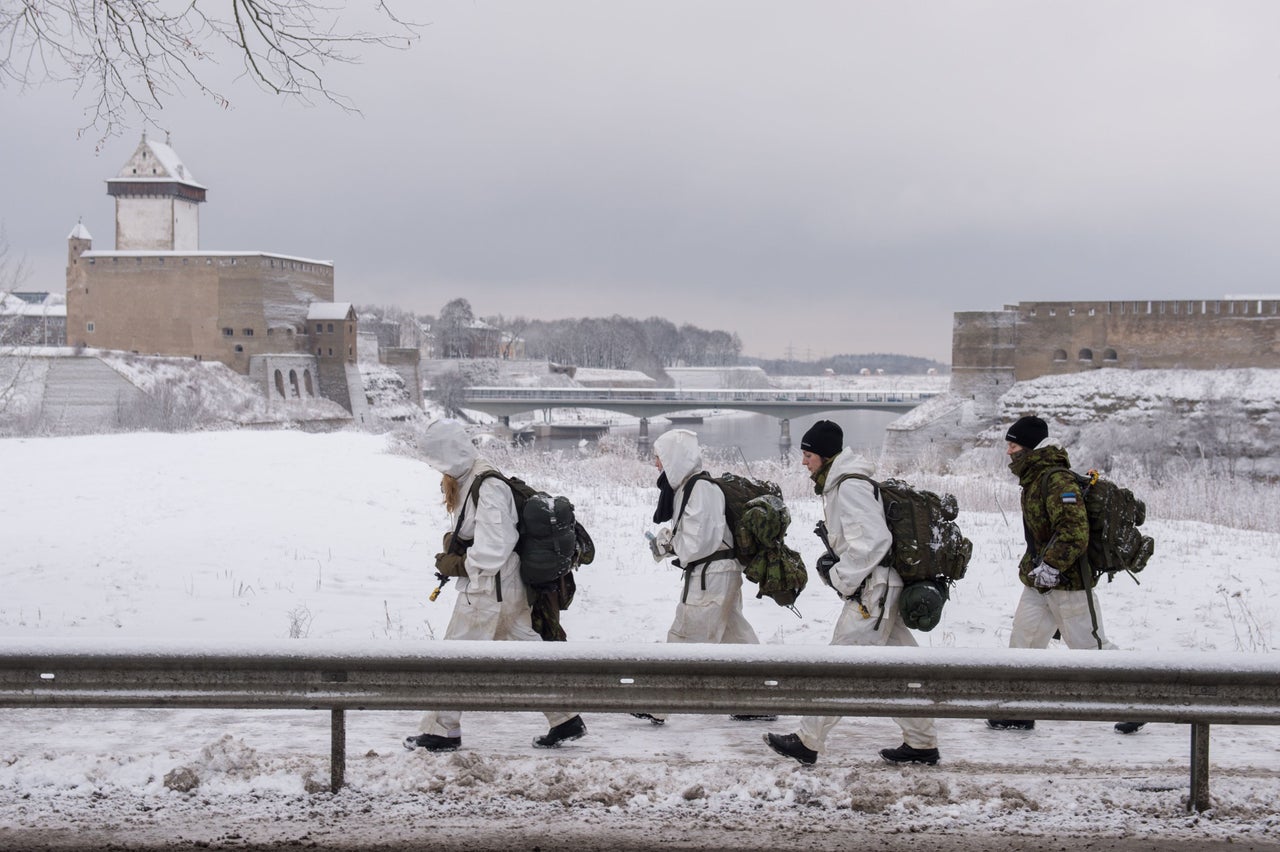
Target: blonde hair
point(452, 493)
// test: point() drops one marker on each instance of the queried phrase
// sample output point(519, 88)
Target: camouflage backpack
point(758, 520)
point(929, 552)
point(1115, 544)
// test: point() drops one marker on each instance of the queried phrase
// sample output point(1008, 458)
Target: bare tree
point(454, 329)
point(13, 272)
point(132, 55)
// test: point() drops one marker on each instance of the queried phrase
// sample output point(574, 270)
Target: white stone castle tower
point(157, 201)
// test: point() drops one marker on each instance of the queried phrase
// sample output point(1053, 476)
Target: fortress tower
point(157, 201)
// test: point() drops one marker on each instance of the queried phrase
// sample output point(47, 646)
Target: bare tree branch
point(130, 56)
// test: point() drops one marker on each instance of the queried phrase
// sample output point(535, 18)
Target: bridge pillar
point(784, 439)
point(505, 420)
point(642, 440)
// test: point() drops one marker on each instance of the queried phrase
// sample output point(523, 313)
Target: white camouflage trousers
point(481, 616)
point(1039, 614)
point(853, 628)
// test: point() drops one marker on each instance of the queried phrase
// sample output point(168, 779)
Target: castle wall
point(405, 362)
point(983, 352)
point(218, 306)
point(1068, 337)
point(1035, 339)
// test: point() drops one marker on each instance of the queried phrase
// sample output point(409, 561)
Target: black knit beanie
point(824, 438)
point(1028, 432)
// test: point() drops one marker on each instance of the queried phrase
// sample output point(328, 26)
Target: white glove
point(660, 544)
point(1045, 576)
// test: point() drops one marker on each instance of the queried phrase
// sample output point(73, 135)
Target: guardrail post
point(337, 749)
point(1198, 799)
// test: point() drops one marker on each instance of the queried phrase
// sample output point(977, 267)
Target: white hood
point(447, 447)
point(680, 455)
point(848, 461)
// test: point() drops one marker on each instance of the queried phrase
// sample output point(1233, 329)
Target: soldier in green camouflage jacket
point(1057, 594)
point(1053, 520)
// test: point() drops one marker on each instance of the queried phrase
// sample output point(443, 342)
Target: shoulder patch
point(1070, 497)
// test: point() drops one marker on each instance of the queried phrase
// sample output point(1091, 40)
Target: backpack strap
point(875, 486)
point(473, 497)
point(723, 553)
point(888, 556)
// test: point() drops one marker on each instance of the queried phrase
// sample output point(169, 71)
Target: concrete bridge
point(644, 403)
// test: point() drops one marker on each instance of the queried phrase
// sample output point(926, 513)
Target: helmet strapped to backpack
point(929, 552)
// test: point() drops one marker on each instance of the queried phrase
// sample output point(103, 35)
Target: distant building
point(32, 319)
point(159, 293)
point(718, 377)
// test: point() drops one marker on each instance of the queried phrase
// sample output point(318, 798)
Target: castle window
point(239, 348)
point(93, 261)
point(319, 351)
point(1053, 312)
point(1060, 355)
point(331, 351)
point(330, 328)
point(1091, 312)
point(248, 332)
point(279, 383)
point(1110, 355)
point(1071, 312)
point(293, 382)
point(270, 331)
point(88, 327)
point(228, 332)
point(1085, 355)
point(319, 328)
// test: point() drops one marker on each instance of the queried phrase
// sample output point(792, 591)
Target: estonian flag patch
point(1069, 497)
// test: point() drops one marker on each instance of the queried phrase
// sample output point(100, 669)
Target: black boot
point(432, 742)
point(570, 730)
point(650, 718)
point(1129, 727)
point(1011, 724)
point(789, 745)
point(906, 754)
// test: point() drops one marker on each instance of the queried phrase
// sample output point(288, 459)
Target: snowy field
point(272, 535)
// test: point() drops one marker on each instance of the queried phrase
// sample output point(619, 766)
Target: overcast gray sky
point(823, 177)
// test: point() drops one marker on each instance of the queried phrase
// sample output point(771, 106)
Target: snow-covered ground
point(266, 535)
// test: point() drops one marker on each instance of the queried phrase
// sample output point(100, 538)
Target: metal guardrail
point(1200, 690)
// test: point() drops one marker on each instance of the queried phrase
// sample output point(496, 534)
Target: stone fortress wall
point(1033, 339)
point(992, 351)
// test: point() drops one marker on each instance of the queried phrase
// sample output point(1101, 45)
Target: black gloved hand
point(823, 566)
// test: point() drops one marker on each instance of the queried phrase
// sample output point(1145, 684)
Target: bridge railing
point(1199, 690)
point(703, 395)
